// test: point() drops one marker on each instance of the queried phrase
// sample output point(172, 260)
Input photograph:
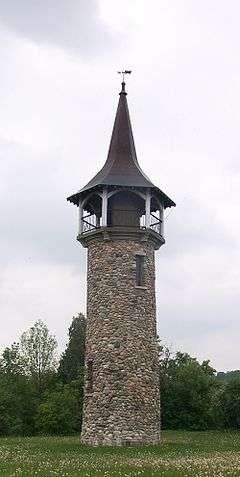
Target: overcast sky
point(58, 94)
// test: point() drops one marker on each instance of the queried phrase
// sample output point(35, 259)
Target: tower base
point(118, 439)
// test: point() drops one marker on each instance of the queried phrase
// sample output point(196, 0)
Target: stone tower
point(121, 224)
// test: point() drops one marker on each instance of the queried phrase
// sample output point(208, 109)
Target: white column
point(148, 209)
point(161, 215)
point(104, 207)
point(80, 215)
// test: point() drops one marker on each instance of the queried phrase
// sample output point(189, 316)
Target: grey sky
point(58, 94)
point(71, 24)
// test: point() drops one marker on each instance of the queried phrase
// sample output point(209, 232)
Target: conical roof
point(121, 167)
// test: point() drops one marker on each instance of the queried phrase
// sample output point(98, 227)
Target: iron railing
point(156, 223)
point(91, 222)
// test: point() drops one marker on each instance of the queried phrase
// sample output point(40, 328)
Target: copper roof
point(121, 167)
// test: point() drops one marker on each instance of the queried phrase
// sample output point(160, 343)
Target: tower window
point(140, 270)
point(89, 376)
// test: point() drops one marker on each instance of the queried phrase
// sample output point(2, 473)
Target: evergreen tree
point(71, 366)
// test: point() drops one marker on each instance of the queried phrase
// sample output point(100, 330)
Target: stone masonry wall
point(121, 402)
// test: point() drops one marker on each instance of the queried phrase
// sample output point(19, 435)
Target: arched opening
point(91, 213)
point(125, 209)
point(120, 208)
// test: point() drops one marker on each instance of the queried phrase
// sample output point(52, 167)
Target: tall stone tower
point(121, 224)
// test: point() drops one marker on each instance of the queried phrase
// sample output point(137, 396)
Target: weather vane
point(123, 73)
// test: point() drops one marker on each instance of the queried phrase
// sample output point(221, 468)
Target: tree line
point(42, 395)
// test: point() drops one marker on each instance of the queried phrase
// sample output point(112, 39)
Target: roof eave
point(74, 199)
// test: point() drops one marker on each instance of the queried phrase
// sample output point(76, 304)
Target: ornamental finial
point(123, 73)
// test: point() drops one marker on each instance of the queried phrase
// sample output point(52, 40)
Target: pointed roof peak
point(121, 167)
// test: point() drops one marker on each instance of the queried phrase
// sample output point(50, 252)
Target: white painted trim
point(148, 209)
point(161, 215)
point(136, 192)
point(104, 207)
point(80, 215)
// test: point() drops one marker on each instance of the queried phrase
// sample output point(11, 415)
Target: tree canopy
point(38, 397)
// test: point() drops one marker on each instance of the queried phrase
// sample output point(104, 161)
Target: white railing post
point(148, 209)
point(80, 216)
point(104, 207)
point(97, 221)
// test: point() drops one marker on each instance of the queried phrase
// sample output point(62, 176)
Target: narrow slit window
point(139, 270)
point(90, 376)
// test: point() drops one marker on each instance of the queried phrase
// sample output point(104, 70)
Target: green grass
point(193, 454)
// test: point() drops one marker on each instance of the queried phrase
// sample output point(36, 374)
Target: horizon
point(59, 92)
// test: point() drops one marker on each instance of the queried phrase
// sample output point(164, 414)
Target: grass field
point(198, 454)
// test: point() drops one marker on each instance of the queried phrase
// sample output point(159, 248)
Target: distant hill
point(229, 375)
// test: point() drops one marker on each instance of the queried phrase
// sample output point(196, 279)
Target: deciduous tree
point(38, 348)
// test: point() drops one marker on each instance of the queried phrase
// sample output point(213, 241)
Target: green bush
point(230, 403)
point(17, 405)
point(187, 393)
point(60, 411)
